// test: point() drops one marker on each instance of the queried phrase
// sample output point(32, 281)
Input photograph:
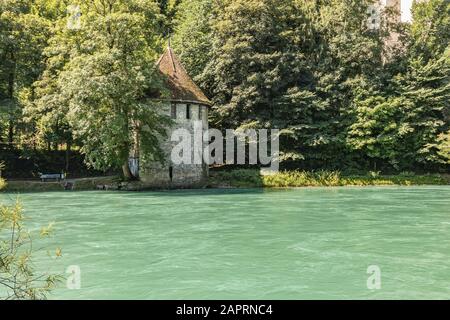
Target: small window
point(188, 111)
point(374, 21)
point(200, 112)
point(171, 173)
point(173, 111)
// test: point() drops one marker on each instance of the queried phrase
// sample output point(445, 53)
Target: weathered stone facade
point(167, 175)
point(186, 106)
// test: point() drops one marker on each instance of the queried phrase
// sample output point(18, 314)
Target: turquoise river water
point(310, 243)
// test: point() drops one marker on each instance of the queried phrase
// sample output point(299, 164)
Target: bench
point(54, 176)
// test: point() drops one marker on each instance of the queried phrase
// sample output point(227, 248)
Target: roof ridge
point(171, 54)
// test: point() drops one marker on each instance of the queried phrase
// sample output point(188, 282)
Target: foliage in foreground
point(18, 279)
point(248, 178)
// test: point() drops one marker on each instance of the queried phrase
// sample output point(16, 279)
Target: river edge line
point(237, 179)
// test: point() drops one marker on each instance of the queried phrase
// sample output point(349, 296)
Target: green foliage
point(86, 87)
point(404, 123)
point(303, 178)
point(97, 80)
point(443, 146)
point(168, 9)
point(344, 95)
point(291, 65)
point(192, 38)
point(18, 279)
point(23, 37)
point(429, 32)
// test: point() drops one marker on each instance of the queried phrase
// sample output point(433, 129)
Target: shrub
point(18, 279)
point(248, 178)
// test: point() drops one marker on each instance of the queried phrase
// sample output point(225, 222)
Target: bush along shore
point(249, 178)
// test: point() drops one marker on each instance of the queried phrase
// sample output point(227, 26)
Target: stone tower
point(187, 106)
point(402, 8)
point(375, 12)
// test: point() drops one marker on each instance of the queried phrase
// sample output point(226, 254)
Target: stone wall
point(169, 175)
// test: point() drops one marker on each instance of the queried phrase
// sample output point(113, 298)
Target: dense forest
point(75, 77)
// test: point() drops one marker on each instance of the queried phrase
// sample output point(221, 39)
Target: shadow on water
point(196, 192)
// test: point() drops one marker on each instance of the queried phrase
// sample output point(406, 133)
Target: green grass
point(253, 179)
point(2, 184)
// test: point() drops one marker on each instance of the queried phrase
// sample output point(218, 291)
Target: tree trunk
point(136, 143)
point(126, 171)
point(67, 156)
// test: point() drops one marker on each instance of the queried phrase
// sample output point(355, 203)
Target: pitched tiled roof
point(181, 86)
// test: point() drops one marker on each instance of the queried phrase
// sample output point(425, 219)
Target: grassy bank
point(2, 184)
point(253, 179)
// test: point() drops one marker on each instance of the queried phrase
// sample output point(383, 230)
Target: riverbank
point(83, 184)
point(244, 178)
point(254, 179)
